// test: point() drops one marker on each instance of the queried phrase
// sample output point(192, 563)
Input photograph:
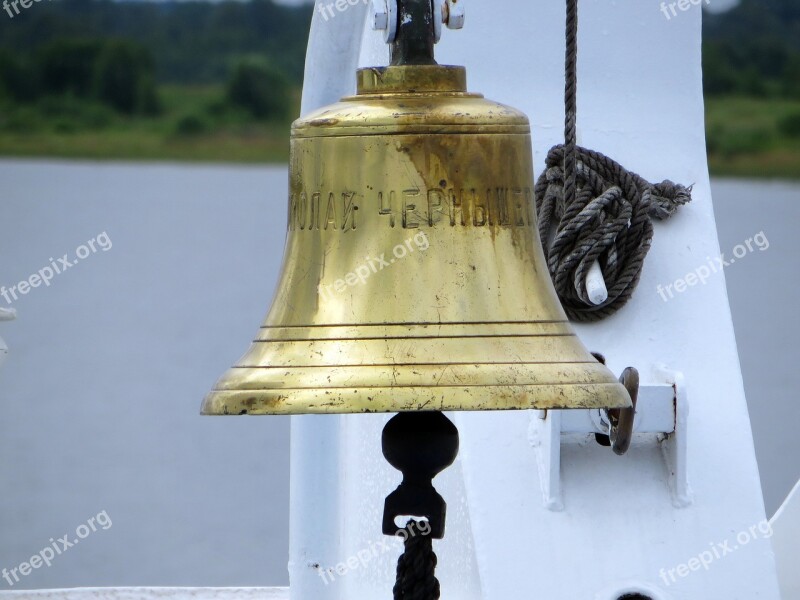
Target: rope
point(597, 210)
point(416, 579)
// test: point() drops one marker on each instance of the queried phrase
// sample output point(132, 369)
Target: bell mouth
point(608, 395)
point(410, 79)
point(402, 368)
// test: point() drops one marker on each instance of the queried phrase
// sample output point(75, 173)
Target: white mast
point(625, 525)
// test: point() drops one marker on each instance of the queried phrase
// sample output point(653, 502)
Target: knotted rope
point(416, 579)
point(598, 210)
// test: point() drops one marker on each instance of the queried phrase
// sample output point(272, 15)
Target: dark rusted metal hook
point(620, 420)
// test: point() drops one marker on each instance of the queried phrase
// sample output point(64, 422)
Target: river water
point(110, 360)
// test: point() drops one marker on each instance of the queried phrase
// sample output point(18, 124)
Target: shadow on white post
point(5, 315)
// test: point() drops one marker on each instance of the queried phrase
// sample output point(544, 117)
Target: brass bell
point(413, 278)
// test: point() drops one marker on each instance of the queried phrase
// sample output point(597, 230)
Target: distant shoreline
point(284, 164)
point(746, 137)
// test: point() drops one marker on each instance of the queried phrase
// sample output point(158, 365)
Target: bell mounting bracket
point(661, 415)
point(413, 27)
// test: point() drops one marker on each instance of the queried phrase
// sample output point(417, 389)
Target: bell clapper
point(420, 445)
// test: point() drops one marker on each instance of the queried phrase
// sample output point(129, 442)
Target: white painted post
point(620, 531)
point(786, 544)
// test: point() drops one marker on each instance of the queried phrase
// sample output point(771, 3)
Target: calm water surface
point(109, 363)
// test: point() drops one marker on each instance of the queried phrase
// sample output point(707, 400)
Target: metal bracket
point(662, 409)
point(384, 18)
point(446, 13)
point(674, 447)
point(453, 13)
point(620, 420)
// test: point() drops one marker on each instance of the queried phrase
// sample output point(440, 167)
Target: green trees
point(16, 82)
point(753, 50)
point(123, 78)
point(193, 42)
point(116, 73)
point(260, 89)
point(113, 55)
point(758, 68)
point(66, 66)
point(790, 125)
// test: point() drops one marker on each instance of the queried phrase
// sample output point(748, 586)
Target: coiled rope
point(595, 210)
point(416, 578)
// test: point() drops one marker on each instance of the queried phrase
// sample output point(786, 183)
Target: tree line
point(753, 50)
point(118, 52)
point(189, 42)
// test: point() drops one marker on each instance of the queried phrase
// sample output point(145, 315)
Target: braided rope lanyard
point(591, 210)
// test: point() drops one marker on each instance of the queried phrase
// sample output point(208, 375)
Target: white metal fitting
point(449, 13)
point(453, 14)
point(384, 18)
point(438, 8)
